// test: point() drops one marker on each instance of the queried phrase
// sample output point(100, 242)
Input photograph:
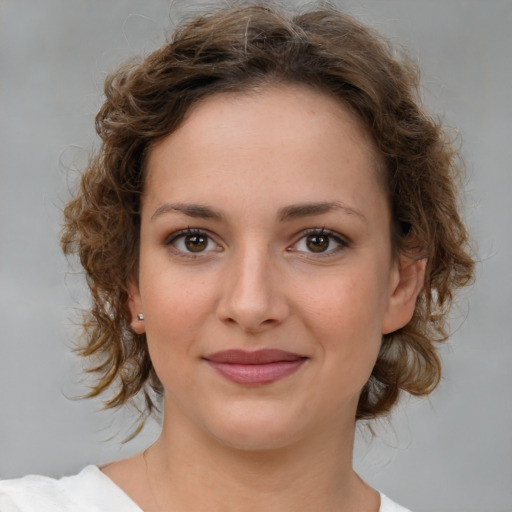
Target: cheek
point(171, 294)
point(347, 302)
point(345, 313)
point(177, 310)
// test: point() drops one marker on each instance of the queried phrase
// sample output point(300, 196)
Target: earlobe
point(135, 307)
point(405, 288)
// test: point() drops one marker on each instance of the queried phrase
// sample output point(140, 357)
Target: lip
point(257, 367)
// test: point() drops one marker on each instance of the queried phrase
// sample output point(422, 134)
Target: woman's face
point(266, 274)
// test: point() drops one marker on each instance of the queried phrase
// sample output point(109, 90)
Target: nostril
point(250, 298)
point(250, 325)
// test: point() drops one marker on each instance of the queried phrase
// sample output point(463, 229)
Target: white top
point(89, 491)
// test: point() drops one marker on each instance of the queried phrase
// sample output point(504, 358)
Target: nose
point(252, 294)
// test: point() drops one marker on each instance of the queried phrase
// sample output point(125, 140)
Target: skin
point(255, 163)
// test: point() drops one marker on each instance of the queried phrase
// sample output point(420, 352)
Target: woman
point(271, 239)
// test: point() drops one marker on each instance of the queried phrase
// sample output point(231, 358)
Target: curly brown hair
point(238, 49)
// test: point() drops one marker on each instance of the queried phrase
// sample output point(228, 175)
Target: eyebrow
point(192, 210)
point(310, 209)
point(286, 213)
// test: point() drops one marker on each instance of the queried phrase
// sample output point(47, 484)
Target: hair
point(238, 49)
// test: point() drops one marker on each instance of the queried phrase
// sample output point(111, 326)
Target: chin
point(258, 431)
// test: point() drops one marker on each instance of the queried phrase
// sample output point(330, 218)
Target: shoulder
point(387, 505)
point(89, 490)
point(29, 492)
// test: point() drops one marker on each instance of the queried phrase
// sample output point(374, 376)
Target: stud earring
point(140, 317)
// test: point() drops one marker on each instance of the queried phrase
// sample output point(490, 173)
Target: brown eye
point(317, 242)
point(321, 242)
point(196, 243)
point(192, 241)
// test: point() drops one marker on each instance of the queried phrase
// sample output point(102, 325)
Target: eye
point(320, 241)
point(192, 241)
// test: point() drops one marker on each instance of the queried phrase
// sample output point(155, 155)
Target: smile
point(256, 368)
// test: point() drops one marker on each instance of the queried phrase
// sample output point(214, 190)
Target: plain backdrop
point(450, 453)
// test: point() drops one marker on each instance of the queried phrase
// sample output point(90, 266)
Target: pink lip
point(258, 367)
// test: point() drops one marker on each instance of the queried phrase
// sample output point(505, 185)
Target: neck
point(189, 471)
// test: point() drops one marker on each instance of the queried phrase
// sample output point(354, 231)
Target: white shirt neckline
point(91, 490)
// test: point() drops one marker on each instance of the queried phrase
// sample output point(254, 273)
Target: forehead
point(287, 140)
point(293, 105)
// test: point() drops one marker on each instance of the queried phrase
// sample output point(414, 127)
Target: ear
point(406, 283)
point(135, 307)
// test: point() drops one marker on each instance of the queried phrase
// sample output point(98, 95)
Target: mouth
point(255, 368)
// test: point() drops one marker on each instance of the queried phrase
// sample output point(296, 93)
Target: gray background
point(452, 452)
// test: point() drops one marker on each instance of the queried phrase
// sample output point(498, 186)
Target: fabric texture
point(89, 491)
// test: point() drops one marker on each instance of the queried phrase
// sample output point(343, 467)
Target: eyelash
point(332, 236)
point(174, 237)
point(342, 242)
